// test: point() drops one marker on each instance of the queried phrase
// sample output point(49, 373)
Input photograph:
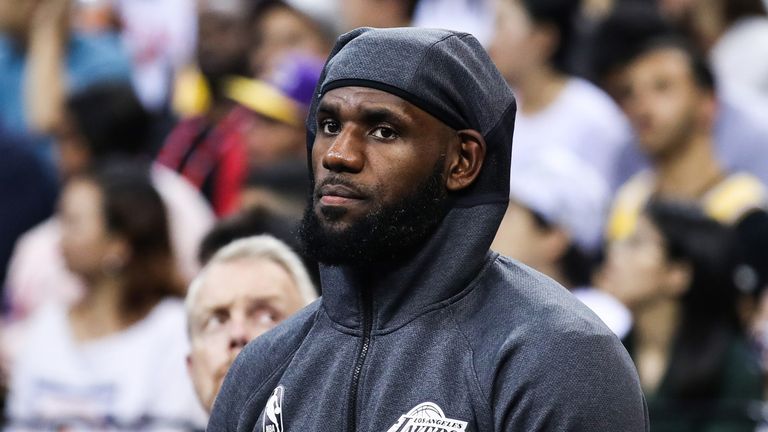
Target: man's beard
point(390, 233)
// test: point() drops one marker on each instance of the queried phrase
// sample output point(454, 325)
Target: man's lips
point(336, 195)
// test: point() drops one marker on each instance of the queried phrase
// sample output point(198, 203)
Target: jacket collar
point(442, 268)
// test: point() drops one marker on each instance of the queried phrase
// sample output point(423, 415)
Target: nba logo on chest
point(272, 420)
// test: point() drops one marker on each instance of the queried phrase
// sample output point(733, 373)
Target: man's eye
point(267, 317)
point(330, 127)
point(216, 320)
point(384, 133)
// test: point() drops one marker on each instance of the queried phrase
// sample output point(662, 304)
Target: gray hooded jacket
point(457, 338)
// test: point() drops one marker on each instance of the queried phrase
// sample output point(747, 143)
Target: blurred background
point(137, 137)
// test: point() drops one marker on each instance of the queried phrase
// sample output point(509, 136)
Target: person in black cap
point(421, 326)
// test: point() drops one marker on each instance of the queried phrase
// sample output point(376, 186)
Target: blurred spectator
point(278, 107)
point(734, 34)
point(752, 278)
point(626, 29)
point(707, 21)
point(555, 219)
point(675, 272)
point(27, 194)
point(42, 61)
point(247, 223)
point(247, 288)
point(101, 123)
point(94, 16)
point(377, 13)
point(160, 37)
point(119, 351)
point(668, 94)
point(263, 220)
point(283, 186)
point(554, 223)
point(281, 27)
point(470, 16)
point(556, 110)
point(597, 9)
point(740, 52)
point(207, 149)
point(740, 131)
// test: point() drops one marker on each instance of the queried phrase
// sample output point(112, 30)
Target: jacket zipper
point(362, 353)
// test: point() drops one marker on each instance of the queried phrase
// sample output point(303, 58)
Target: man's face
point(379, 173)
point(238, 301)
point(222, 38)
point(659, 94)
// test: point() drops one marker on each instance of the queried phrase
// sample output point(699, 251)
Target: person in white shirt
point(531, 49)
point(555, 222)
point(114, 360)
point(101, 122)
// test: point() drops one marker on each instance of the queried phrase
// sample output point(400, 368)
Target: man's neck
point(539, 88)
point(690, 172)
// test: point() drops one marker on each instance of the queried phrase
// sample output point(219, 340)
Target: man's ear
point(467, 161)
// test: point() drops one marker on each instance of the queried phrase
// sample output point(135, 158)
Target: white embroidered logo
point(272, 420)
point(427, 417)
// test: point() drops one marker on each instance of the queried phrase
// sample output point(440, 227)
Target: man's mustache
point(340, 181)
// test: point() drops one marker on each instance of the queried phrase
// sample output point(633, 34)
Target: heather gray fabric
point(491, 343)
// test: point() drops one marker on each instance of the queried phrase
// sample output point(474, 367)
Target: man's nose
point(345, 153)
point(238, 335)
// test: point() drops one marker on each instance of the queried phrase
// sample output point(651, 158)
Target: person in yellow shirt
point(668, 93)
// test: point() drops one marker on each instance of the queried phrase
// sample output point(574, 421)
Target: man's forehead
point(228, 282)
point(375, 104)
point(359, 97)
point(665, 58)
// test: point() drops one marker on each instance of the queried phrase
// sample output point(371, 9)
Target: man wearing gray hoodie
point(421, 327)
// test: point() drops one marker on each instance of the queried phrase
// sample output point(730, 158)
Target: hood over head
point(450, 76)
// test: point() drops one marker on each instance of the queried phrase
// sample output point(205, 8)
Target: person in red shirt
point(208, 149)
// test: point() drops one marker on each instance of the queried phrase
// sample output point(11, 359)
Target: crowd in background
point(140, 140)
